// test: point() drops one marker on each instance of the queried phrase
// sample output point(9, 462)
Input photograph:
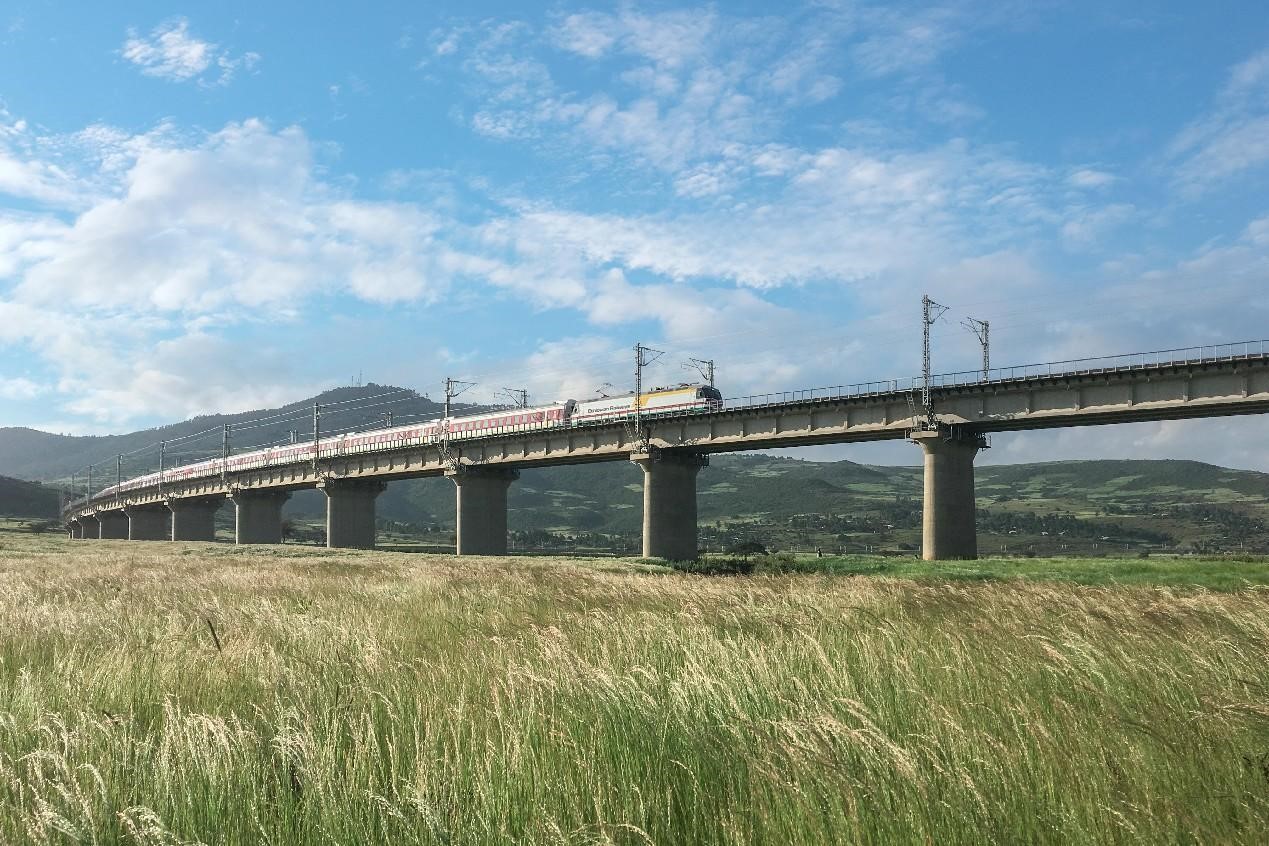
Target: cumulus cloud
point(20, 388)
point(239, 218)
point(196, 235)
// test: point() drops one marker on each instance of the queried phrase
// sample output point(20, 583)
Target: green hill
point(27, 453)
point(27, 499)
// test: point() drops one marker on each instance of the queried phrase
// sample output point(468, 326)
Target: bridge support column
point(948, 528)
point(258, 515)
point(482, 509)
point(113, 525)
point(75, 530)
point(194, 519)
point(92, 527)
point(669, 503)
point(350, 512)
point(148, 522)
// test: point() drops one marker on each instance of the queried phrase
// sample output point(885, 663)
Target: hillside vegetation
point(28, 499)
point(160, 693)
point(1085, 507)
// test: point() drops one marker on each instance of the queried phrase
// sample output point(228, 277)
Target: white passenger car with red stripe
point(684, 398)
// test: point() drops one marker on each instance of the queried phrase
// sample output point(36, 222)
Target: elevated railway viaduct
point(671, 450)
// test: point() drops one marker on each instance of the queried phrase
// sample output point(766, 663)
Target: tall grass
point(369, 697)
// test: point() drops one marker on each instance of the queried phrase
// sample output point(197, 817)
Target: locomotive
point(680, 399)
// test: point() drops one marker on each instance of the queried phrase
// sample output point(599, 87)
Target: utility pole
point(453, 388)
point(224, 454)
point(387, 419)
point(295, 436)
point(930, 313)
point(162, 457)
point(317, 436)
point(982, 330)
point(88, 490)
point(703, 366)
point(118, 475)
point(644, 356)
point(518, 397)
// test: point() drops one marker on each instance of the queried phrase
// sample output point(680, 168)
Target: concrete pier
point(948, 528)
point(113, 525)
point(482, 509)
point(350, 512)
point(149, 522)
point(75, 530)
point(669, 503)
point(258, 515)
point(194, 519)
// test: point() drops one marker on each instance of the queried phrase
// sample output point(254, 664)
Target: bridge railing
point(1109, 363)
point(833, 392)
point(1070, 367)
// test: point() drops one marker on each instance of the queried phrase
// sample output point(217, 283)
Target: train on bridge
point(659, 401)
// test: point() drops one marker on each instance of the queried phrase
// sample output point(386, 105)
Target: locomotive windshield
point(708, 392)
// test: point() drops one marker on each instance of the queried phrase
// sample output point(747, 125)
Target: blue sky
point(217, 208)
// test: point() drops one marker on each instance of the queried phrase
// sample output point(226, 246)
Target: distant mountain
point(30, 454)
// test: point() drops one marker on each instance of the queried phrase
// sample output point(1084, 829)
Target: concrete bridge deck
point(1015, 399)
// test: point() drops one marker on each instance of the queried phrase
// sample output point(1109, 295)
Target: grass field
point(1223, 573)
point(171, 693)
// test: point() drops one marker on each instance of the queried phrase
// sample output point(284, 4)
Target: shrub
point(716, 566)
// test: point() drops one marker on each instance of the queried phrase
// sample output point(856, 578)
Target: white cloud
point(668, 39)
point(240, 218)
point(1087, 226)
point(185, 376)
point(1232, 137)
point(682, 102)
point(842, 215)
point(171, 52)
point(20, 388)
point(588, 34)
point(1090, 178)
point(686, 314)
point(195, 235)
point(902, 41)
